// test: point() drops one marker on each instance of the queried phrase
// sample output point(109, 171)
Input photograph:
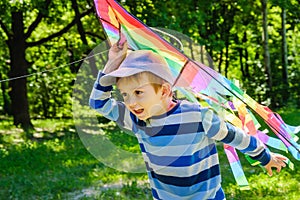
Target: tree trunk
point(226, 56)
point(266, 49)
point(6, 102)
point(220, 62)
point(240, 50)
point(18, 93)
point(92, 61)
point(247, 73)
point(285, 93)
point(81, 32)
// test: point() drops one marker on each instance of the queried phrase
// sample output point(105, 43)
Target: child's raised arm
point(101, 99)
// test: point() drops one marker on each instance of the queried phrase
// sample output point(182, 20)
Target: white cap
point(140, 61)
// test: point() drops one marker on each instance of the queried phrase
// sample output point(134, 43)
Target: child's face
point(141, 98)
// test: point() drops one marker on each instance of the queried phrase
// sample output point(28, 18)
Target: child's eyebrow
point(141, 86)
point(137, 88)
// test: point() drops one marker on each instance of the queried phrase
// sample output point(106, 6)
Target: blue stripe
point(197, 190)
point(188, 181)
point(219, 195)
point(263, 157)
point(183, 161)
point(113, 113)
point(103, 88)
point(98, 86)
point(162, 141)
point(188, 107)
point(96, 104)
point(230, 134)
point(174, 129)
point(154, 193)
point(252, 145)
point(215, 127)
point(142, 147)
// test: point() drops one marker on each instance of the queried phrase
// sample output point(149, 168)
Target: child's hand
point(116, 55)
point(276, 161)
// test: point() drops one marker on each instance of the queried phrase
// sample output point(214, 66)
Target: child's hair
point(154, 80)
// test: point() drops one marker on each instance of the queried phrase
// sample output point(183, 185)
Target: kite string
point(49, 70)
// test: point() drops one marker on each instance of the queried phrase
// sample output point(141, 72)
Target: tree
point(285, 91)
point(266, 47)
point(18, 40)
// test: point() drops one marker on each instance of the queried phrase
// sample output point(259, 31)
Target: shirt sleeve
point(218, 129)
point(102, 101)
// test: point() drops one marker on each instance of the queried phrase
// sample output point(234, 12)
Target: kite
point(198, 81)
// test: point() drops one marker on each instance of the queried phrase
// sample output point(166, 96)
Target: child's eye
point(124, 95)
point(138, 92)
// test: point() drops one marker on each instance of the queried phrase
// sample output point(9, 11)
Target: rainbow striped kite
point(196, 81)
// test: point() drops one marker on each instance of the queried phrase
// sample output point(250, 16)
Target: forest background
point(257, 43)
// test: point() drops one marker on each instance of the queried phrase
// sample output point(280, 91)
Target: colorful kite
point(202, 82)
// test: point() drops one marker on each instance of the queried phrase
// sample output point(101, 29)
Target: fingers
point(116, 47)
point(118, 51)
point(270, 172)
point(280, 160)
point(278, 169)
point(280, 157)
point(122, 46)
point(277, 161)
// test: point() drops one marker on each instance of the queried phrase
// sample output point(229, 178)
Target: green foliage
point(214, 24)
point(49, 94)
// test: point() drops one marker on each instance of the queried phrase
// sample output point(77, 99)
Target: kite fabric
point(198, 81)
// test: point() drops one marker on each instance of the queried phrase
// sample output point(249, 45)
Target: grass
point(56, 165)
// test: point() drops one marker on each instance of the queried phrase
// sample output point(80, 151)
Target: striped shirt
point(178, 147)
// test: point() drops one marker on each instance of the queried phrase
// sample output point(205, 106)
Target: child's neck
point(171, 105)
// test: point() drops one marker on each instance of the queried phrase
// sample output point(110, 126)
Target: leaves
point(230, 31)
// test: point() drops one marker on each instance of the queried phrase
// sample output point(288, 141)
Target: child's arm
point(217, 129)
point(100, 98)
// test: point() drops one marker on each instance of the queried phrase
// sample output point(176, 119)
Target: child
point(177, 138)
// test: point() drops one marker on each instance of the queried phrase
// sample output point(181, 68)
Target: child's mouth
point(138, 111)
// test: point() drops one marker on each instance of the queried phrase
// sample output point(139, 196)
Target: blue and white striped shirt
point(178, 147)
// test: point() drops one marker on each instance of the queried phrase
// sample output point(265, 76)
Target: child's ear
point(166, 90)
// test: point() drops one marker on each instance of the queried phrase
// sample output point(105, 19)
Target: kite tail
point(236, 167)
